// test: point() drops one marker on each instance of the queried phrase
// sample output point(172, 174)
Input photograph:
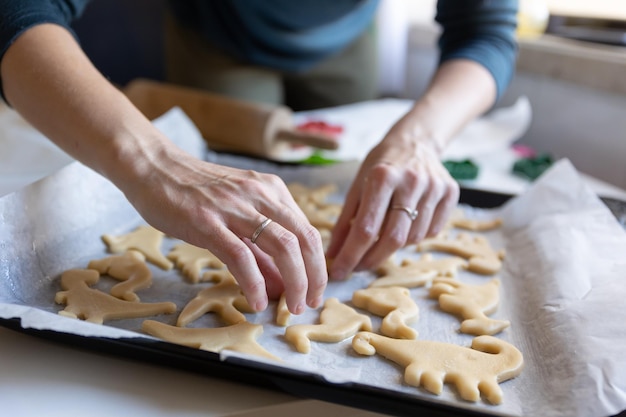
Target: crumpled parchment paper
point(563, 283)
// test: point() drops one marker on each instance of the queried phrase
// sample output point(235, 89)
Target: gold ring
point(260, 229)
point(411, 212)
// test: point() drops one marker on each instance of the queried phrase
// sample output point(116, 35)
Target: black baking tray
point(290, 381)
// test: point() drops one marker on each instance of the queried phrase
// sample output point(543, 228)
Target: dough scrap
point(217, 276)
point(283, 315)
point(241, 337)
point(130, 268)
point(145, 239)
point(321, 216)
point(312, 201)
point(95, 306)
point(416, 273)
point(460, 221)
point(338, 321)
point(431, 364)
point(318, 195)
point(472, 303)
point(225, 298)
point(396, 307)
point(192, 259)
point(483, 259)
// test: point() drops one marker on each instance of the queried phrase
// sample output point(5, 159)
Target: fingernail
point(299, 308)
point(316, 302)
point(260, 305)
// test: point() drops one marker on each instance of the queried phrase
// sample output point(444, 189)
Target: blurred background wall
point(577, 88)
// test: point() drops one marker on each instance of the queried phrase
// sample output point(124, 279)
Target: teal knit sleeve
point(482, 31)
point(17, 16)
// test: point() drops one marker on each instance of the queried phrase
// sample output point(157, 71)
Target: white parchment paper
point(566, 276)
point(365, 124)
point(563, 283)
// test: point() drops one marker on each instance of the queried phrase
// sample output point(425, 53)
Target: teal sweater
point(293, 35)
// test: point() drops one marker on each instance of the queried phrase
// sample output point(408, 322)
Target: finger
point(426, 208)
point(273, 280)
point(242, 263)
point(395, 232)
point(311, 249)
point(284, 210)
point(398, 218)
point(365, 228)
point(283, 246)
point(444, 209)
point(304, 274)
point(315, 263)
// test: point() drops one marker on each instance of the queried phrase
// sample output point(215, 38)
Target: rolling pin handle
point(306, 138)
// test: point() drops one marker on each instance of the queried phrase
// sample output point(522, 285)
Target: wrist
point(414, 134)
point(133, 158)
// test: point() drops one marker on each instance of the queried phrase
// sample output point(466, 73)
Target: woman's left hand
point(401, 194)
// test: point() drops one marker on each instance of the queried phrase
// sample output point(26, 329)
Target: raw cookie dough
point(472, 303)
point(145, 239)
point(95, 306)
point(282, 311)
point(312, 201)
point(483, 259)
point(460, 221)
point(396, 307)
point(431, 364)
point(416, 273)
point(225, 298)
point(338, 321)
point(218, 275)
point(317, 195)
point(192, 259)
point(240, 337)
point(130, 268)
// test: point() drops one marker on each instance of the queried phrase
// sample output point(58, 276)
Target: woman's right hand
point(220, 208)
point(50, 81)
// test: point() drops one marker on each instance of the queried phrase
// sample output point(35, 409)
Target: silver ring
point(260, 229)
point(411, 212)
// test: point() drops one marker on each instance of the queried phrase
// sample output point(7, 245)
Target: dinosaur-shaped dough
point(394, 304)
point(416, 273)
point(312, 202)
point(225, 298)
point(145, 239)
point(240, 337)
point(318, 195)
point(338, 321)
point(191, 259)
point(130, 268)
point(458, 220)
point(321, 216)
point(431, 364)
point(218, 275)
point(95, 306)
point(472, 303)
point(483, 259)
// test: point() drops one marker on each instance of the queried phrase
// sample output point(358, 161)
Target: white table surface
point(42, 378)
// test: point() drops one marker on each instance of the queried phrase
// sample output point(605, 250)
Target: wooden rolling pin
point(226, 124)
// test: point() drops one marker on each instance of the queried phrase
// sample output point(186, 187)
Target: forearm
point(52, 84)
point(460, 91)
point(49, 80)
